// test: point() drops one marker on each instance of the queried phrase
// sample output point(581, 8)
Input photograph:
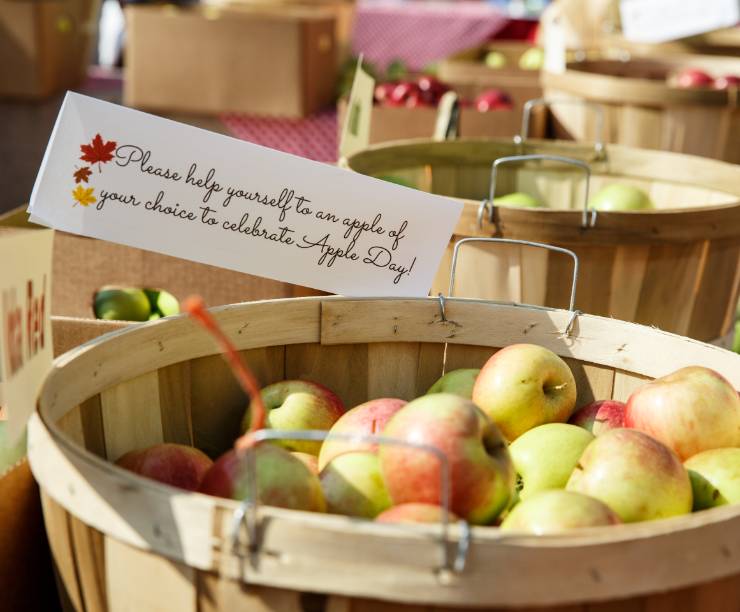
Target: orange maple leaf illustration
point(97, 151)
point(82, 175)
point(84, 196)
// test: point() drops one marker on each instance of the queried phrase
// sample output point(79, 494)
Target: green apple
point(532, 59)
point(494, 59)
point(10, 454)
point(620, 197)
point(518, 199)
point(353, 485)
point(635, 475)
point(121, 304)
point(162, 302)
point(544, 457)
point(298, 405)
point(557, 511)
point(525, 385)
point(398, 180)
point(460, 382)
point(715, 477)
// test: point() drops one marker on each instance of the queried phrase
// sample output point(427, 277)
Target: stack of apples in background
point(615, 197)
point(116, 303)
point(519, 453)
point(693, 78)
point(426, 91)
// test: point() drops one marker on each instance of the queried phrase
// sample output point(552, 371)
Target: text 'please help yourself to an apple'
point(125, 176)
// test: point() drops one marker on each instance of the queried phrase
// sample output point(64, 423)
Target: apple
point(620, 197)
point(299, 405)
point(162, 303)
point(414, 513)
point(121, 304)
point(525, 385)
point(600, 416)
point(544, 457)
point(398, 180)
point(282, 479)
point(635, 475)
point(480, 470)
point(492, 99)
point(402, 92)
point(556, 511)
point(369, 418)
point(494, 59)
point(10, 454)
point(383, 92)
point(310, 461)
point(177, 465)
point(690, 78)
point(431, 89)
point(353, 485)
point(518, 199)
point(460, 382)
point(691, 410)
point(726, 82)
point(532, 59)
point(715, 477)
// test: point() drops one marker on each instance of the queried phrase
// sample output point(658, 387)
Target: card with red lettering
point(25, 332)
point(125, 176)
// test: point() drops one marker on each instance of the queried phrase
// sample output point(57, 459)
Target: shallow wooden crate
point(122, 542)
point(676, 268)
point(642, 110)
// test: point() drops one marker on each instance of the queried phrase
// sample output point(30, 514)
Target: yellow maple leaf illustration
point(84, 196)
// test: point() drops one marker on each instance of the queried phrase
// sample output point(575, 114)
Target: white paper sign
point(25, 322)
point(125, 176)
point(656, 21)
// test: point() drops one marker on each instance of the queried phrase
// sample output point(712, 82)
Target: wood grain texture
point(174, 403)
point(131, 415)
point(90, 557)
point(92, 426)
point(137, 580)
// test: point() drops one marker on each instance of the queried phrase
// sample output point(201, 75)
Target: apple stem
point(196, 308)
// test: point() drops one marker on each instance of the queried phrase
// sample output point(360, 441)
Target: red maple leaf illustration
point(82, 175)
point(97, 151)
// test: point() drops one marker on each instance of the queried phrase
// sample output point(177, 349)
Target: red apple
point(634, 474)
point(353, 485)
point(492, 99)
point(431, 89)
point(299, 405)
point(727, 81)
point(282, 479)
point(368, 418)
point(177, 465)
point(690, 78)
point(401, 93)
point(598, 417)
point(691, 410)
point(414, 513)
point(525, 385)
point(480, 469)
point(383, 92)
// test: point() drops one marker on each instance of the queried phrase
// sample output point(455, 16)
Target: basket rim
point(44, 428)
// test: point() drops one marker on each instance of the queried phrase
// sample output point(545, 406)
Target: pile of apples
point(520, 455)
point(692, 78)
point(426, 91)
point(532, 59)
point(114, 303)
point(611, 198)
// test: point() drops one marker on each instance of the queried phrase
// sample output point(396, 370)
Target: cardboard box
point(45, 45)
point(82, 265)
point(467, 73)
point(399, 123)
point(245, 59)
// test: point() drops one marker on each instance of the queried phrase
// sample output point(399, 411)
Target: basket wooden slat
point(675, 267)
point(127, 543)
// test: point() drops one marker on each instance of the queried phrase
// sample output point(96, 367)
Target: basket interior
point(463, 170)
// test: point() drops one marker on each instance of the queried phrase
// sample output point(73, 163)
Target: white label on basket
point(25, 325)
point(656, 21)
point(356, 129)
point(128, 177)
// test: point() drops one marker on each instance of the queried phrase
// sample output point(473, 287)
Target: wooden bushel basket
point(122, 542)
point(642, 110)
point(676, 267)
